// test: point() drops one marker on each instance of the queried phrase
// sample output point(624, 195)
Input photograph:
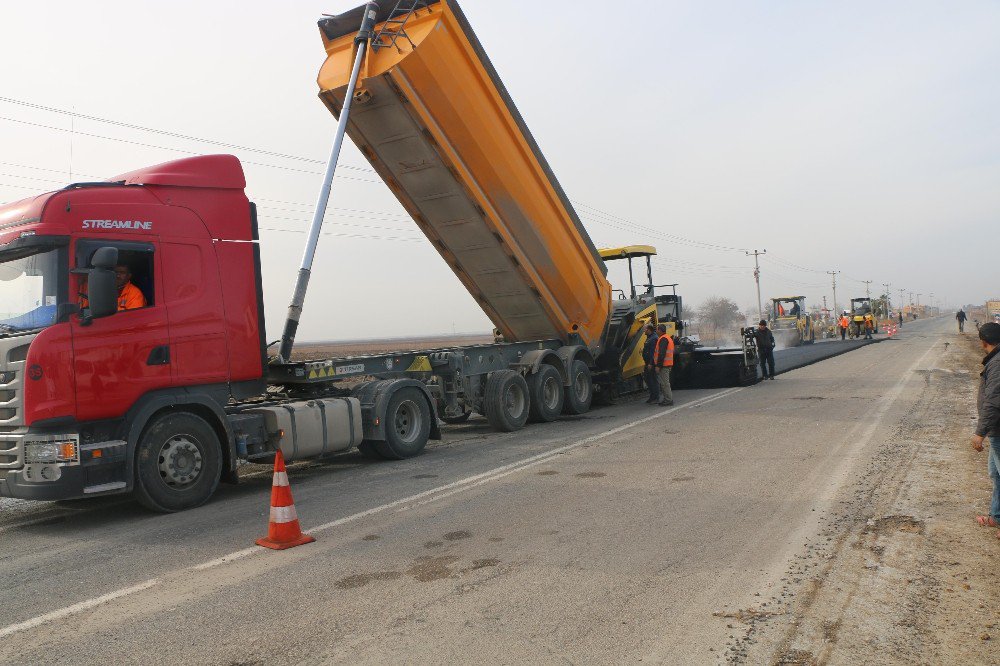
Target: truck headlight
point(56, 450)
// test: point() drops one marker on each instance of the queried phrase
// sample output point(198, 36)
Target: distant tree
point(720, 313)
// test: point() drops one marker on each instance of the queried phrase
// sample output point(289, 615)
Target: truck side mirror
point(105, 257)
point(102, 293)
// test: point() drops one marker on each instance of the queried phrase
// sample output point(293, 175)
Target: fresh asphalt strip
point(793, 358)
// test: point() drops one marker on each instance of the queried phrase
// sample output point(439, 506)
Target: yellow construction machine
point(861, 308)
point(791, 324)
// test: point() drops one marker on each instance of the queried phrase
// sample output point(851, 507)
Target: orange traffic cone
point(283, 529)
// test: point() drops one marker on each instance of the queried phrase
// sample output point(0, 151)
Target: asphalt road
point(625, 534)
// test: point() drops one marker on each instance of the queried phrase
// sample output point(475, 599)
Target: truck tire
point(580, 391)
point(507, 402)
point(545, 389)
point(178, 462)
point(407, 425)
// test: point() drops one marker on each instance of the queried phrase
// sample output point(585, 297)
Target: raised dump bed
point(432, 116)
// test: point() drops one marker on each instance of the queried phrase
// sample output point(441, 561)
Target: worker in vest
point(129, 296)
point(649, 358)
point(869, 325)
point(663, 359)
point(844, 323)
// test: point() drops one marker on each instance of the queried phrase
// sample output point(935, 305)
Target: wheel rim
point(581, 386)
point(514, 402)
point(180, 461)
point(406, 420)
point(550, 393)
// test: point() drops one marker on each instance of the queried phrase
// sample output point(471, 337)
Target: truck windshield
point(28, 291)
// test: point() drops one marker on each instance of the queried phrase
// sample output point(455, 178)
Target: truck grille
point(11, 451)
point(13, 352)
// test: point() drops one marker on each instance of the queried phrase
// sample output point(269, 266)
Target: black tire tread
point(389, 448)
point(155, 499)
point(570, 403)
point(497, 383)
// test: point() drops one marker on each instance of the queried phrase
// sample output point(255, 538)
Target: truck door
point(119, 358)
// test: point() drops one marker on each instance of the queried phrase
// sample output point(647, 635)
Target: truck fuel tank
point(315, 427)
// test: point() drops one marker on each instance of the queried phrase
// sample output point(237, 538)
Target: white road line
point(427, 496)
point(75, 608)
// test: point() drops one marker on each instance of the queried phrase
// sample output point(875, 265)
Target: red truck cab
point(77, 391)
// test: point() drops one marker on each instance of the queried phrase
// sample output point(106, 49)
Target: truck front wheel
point(178, 463)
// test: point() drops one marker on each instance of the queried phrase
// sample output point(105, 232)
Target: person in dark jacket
point(988, 426)
point(649, 372)
point(765, 349)
point(960, 317)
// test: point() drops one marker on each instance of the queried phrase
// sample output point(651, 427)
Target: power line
point(333, 233)
point(175, 150)
point(788, 264)
point(175, 135)
point(598, 212)
point(214, 142)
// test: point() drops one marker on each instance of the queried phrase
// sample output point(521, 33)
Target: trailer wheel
point(506, 403)
point(546, 391)
point(407, 425)
point(580, 392)
point(177, 463)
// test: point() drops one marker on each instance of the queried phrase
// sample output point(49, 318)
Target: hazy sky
point(862, 137)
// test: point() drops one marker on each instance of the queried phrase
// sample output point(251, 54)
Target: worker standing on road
point(869, 326)
point(765, 349)
point(844, 323)
point(960, 316)
point(988, 404)
point(649, 358)
point(663, 359)
point(901, 319)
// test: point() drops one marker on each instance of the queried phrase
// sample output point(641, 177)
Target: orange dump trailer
point(435, 121)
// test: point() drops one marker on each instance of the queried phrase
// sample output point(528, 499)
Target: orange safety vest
point(130, 298)
point(845, 322)
point(668, 357)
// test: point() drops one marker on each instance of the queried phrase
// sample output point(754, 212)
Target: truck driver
point(129, 296)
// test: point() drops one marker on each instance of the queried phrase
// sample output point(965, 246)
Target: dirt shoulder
point(902, 573)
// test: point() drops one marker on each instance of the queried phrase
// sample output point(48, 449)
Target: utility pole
point(918, 299)
point(825, 310)
point(756, 276)
point(835, 307)
point(887, 300)
point(902, 301)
